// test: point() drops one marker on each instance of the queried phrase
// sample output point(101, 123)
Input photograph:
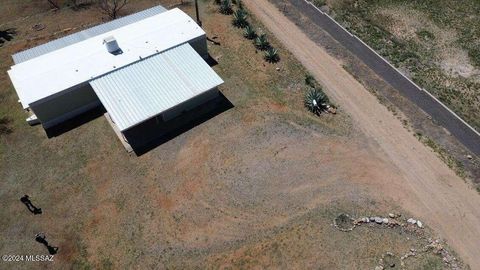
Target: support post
point(199, 22)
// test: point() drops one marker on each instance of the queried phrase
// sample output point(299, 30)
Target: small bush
point(249, 32)
point(310, 81)
point(5, 126)
point(425, 35)
point(239, 4)
point(261, 42)
point(226, 7)
point(319, 3)
point(272, 56)
point(474, 55)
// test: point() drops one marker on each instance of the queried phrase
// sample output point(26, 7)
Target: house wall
point(162, 124)
point(200, 46)
point(59, 108)
point(189, 104)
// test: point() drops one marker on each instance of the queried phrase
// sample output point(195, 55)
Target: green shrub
point(315, 100)
point(249, 32)
point(240, 18)
point(310, 81)
point(226, 7)
point(261, 42)
point(474, 55)
point(271, 55)
point(319, 3)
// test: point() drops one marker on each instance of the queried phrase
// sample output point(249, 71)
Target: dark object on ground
point(6, 35)
point(5, 124)
point(26, 200)
point(42, 239)
point(52, 250)
point(213, 41)
point(38, 27)
point(112, 7)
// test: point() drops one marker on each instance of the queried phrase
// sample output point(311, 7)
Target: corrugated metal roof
point(85, 34)
point(140, 91)
point(54, 72)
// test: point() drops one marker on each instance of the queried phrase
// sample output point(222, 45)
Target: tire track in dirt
point(431, 190)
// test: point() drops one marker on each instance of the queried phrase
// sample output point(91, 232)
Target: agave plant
point(239, 4)
point(249, 32)
point(240, 18)
point(226, 7)
point(271, 55)
point(315, 100)
point(261, 42)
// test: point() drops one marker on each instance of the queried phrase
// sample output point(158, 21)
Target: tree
point(112, 7)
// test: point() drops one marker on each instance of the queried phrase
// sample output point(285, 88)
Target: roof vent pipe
point(112, 46)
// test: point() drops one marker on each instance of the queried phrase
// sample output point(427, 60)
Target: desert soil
point(256, 187)
point(428, 188)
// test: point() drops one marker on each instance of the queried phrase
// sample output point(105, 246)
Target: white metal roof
point(85, 34)
point(140, 91)
point(56, 71)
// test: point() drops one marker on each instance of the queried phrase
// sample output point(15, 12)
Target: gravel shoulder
point(429, 189)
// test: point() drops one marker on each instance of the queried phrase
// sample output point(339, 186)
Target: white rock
point(391, 215)
point(379, 267)
point(278, 69)
point(378, 220)
point(385, 220)
point(469, 157)
point(411, 221)
point(419, 224)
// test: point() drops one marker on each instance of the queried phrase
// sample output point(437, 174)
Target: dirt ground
point(413, 118)
point(428, 187)
point(256, 187)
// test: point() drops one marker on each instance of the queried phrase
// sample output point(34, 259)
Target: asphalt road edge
point(396, 69)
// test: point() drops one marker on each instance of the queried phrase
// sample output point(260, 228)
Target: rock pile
point(345, 223)
point(390, 221)
point(437, 248)
point(415, 222)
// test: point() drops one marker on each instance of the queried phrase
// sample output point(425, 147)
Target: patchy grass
point(258, 185)
point(451, 162)
point(436, 43)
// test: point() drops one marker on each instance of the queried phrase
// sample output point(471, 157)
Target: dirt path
point(431, 190)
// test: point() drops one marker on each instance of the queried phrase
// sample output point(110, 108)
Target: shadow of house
point(7, 35)
point(156, 132)
point(75, 122)
point(211, 61)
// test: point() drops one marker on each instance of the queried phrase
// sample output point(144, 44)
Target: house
point(149, 65)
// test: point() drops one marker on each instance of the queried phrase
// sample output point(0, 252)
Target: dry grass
point(434, 42)
point(257, 186)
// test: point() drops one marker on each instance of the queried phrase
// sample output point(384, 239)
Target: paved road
point(439, 113)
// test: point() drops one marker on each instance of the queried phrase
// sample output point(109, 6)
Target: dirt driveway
point(429, 189)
